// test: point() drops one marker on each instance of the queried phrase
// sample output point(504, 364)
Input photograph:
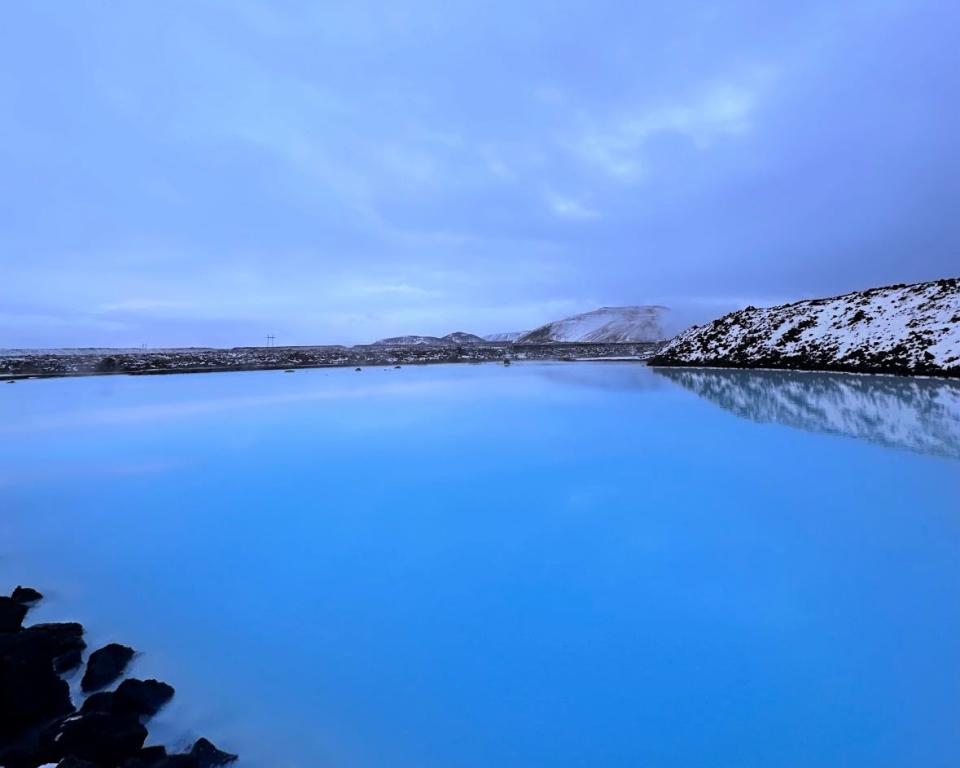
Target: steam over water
point(557, 565)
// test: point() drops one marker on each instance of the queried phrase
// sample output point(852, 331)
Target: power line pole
point(270, 339)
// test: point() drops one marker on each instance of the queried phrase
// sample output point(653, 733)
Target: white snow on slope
point(462, 337)
point(904, 328)
point(415, 341)
point(605, 325)
point(511, 336)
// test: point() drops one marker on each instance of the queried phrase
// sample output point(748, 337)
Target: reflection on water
point(611, 376)
point(917, 414)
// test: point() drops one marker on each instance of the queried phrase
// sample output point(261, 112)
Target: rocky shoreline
point(41, 726)
point(17, 364)
point(906, 330)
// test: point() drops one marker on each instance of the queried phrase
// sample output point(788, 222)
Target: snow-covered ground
point(900, 329)
point(919, 414)
point(606, 325)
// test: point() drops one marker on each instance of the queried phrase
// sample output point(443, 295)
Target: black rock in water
point(34, 746)
point(31, 693)
point(59, 644)
point(98, 702)
point(148, 757)
point(102, 737)
point(31, 690)
point(38, 722)
point(208, 756)
point(105, 665)
point(141, 697)
point(76, 762)
point(202, 755)
point(152, 753)
point(11, 614)
point(26, 595)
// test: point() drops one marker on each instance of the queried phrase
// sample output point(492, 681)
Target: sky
point(201, 172)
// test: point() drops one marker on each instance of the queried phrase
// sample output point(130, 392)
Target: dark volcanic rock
point(105, 665)
point(208, 756)
point(11, 614)
point(34, 747)
point(148, 757)
point(102, 737)
point(98, 702)
point(900, 329)
point(26, 595)
point(202, 755)
point(60, 644)
point(76, 762)
point(38, 722)
point(31, 691)
point(141, 697)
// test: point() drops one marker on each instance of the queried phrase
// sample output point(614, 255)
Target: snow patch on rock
point(896, 329)
point(608, 325)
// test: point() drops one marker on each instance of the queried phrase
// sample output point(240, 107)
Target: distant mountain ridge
point(904, 329)
point(450, 340)
point(607, 325)
point(462, 337)
point(415, 341)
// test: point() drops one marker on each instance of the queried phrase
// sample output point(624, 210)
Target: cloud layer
point(206, 173)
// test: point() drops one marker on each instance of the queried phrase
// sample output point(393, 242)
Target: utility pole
point(270, 339)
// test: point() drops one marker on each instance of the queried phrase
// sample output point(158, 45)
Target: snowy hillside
point(450, 340)
point(415, 341)
point(461, 337)
point(897, 329)
point(513, 336)
point(607, 325)
point(920, 415)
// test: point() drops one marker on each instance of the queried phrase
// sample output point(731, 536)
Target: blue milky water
point(546, 565)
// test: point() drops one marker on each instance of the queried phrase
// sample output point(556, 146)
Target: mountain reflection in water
point(920, 415)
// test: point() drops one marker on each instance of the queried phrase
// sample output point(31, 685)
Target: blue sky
point(190, 172)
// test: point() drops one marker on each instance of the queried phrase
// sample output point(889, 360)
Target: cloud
point(569, 207)
point(723, 110)
point(143, 305)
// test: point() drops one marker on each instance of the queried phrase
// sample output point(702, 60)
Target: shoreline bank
point(16, 365)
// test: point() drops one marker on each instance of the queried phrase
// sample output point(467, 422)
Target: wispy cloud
point(569, 207)
point(720, 111)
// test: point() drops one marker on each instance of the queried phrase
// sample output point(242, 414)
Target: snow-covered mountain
point(512, 336)
point(897, 329)
point(415, 341)
point(606, 325)
point(462, 337)
point(450, 340)
point(919, 414)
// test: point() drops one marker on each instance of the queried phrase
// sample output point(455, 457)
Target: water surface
point(581, 564)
